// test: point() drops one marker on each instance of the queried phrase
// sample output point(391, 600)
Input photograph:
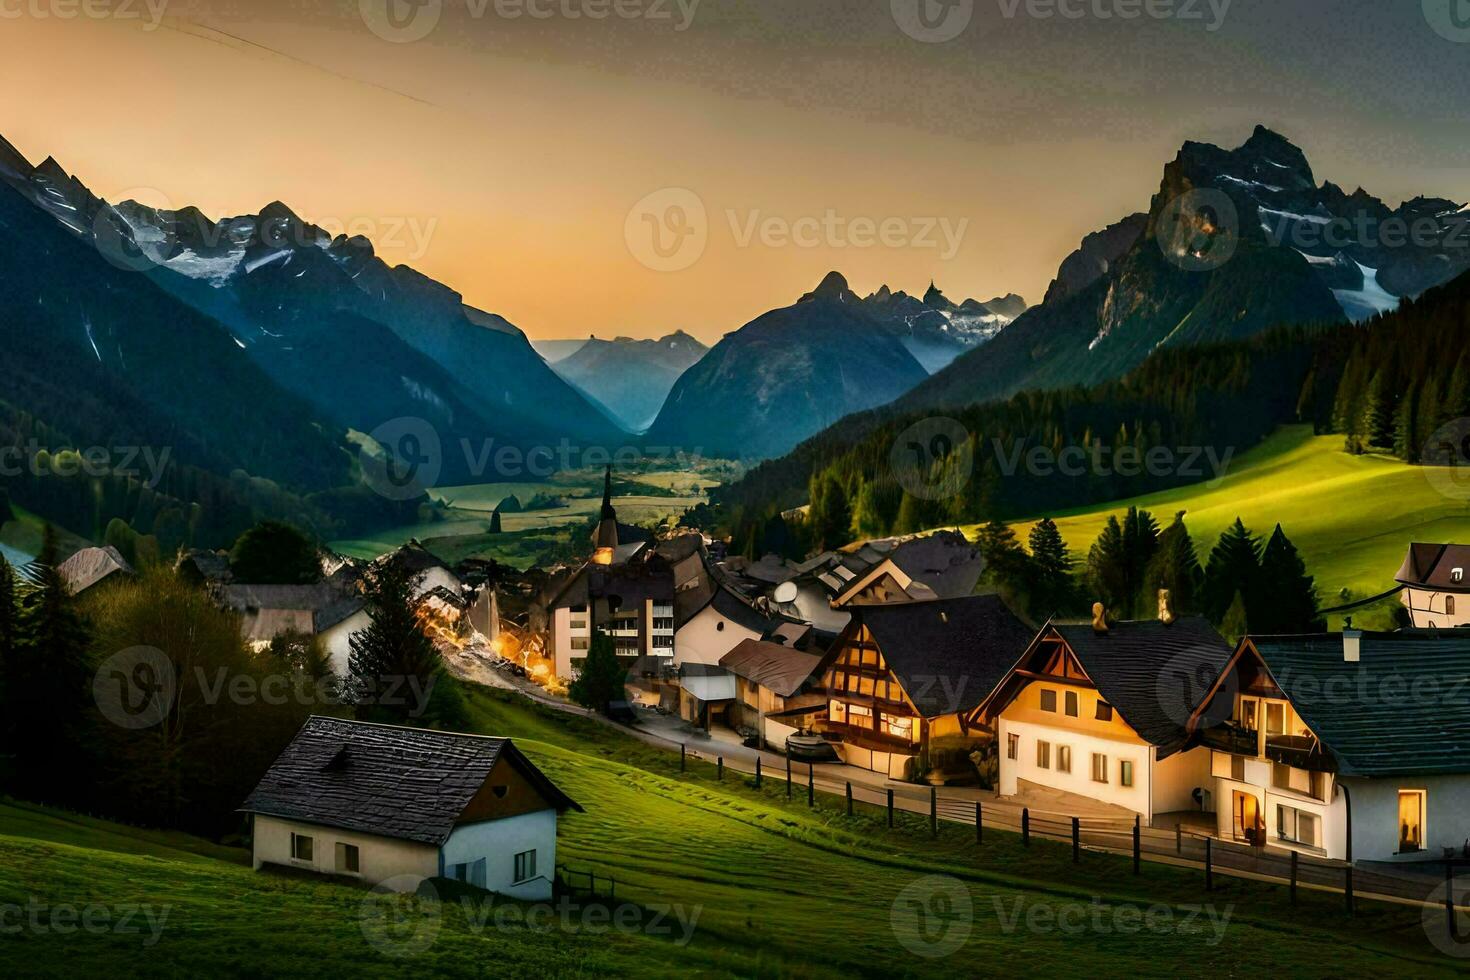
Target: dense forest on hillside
point(1388, 385)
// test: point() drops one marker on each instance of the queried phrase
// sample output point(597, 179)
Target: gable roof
point(1153, 674)
point(1403, 708)
point(90, 566)
point(771, 665)
point(948, 654)
point(406, 783)
point(1432, 565)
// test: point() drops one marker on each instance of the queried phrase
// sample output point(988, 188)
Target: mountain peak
point(832, 286)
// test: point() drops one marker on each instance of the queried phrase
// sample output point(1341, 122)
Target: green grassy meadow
point(771, 888)
point(1352, 517)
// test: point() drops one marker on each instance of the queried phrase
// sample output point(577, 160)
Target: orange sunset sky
point(502, 154)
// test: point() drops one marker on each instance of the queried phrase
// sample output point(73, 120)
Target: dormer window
point(1457, 575)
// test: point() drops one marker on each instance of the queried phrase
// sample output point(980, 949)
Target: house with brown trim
point(778, 690)
point(1436, 581)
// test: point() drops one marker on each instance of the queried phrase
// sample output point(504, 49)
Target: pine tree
point(394, 667)
point(1140, 543)
point(1175, 567)
point(495, 521)
point(1235, 622)
point(1286, 601)
point(1107, 567)
point(600, 679)
point(1051, 567)
point(1233, 568)
point(831, 513)
point(52, 677)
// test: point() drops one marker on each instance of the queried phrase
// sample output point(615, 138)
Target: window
point(1125, 772)
point(1296, 826)
point(1411, 820)
point(525, 866)
point(1449, 605)
point(1013, 746)
point(1048, 700)
point(301, 847)
point(897, 726)
point(1104, 711)
point(1237, 768)
point(579, 644)
point(1072, 704)
point(1275, 718)
point(1043, 755)
point(579, 624)
point(837, 712)
point(860, 714)
point(348, 859)
point(471, 873)
point(1099, 768)
point(1246, 716)
point(1064, 758)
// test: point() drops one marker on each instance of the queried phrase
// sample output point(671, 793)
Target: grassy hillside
point(778, 891)
point(1352, 517)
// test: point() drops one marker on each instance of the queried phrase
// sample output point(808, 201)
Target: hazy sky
point(521, 158)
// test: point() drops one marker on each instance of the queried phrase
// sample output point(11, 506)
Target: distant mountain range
point(630, 378)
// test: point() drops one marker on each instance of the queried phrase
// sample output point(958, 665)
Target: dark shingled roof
point(1154, 674)
point(405, 783)
point(948, 654)
point(1402, 709)
point(1432, 565)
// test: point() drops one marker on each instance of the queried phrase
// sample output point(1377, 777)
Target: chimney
point(1352, 643)
point(1166, 615)
point(1099, 618)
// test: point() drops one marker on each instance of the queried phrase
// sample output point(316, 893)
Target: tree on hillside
point(274, 553)
point(6, 513)
point(1175, 567)
point(1051, 570)
point(393, 668)
point(600, 679)
point(1233, 568)
point(831, 514)
point(1107, 568)
point(1286, 597)
point(495, 521)
point(9, 636)
point(52, 683)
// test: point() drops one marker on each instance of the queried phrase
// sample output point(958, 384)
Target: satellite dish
point(785, 592)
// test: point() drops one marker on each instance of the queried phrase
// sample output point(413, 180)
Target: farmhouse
point(91, 567)
point(394, 806)
point(1350, 745)
point(327, 610)
point(904, 679)
point(1436, 585)
point(1101, 710)
point(778, 689)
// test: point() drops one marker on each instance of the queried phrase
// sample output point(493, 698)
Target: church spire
point(607, 508)
point(606, 538)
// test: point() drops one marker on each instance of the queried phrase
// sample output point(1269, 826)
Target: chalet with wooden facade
point(778, 689)
point(1351, 745)
point(378, 803)
point(1436, 581)
point(904, 679)
point(1102, 710)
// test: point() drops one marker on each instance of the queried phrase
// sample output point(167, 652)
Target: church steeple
point(608, 514)
point(606, 539)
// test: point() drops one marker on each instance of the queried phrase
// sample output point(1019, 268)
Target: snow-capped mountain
point(936, 330)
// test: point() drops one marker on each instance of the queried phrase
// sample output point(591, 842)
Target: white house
point(1101, 710)
point(1436, 581)
point(1313, 735)
point(378, 803)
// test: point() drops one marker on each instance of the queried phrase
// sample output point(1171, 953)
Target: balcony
point(1230, 737)
point(1299, 752)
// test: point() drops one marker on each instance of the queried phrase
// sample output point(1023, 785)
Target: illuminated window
point(1013, 746)
point(1043, 755)
point(837, 712)
point(1064, 758)
point(1275, 718)
point(1412, 803)
point(1246, 715)
point(1071, 704)
point(1048, 700)
point(897, 726)
point(1099, 768)
point(860, 711)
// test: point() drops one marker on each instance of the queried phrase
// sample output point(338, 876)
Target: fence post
point(1209, 865)
point(811, 785)
point(890, 809)
point(720, 768)
point(1076, 841)
point(1449, 900)
point(1179, 838)
point(683, 762)
point(1347, 889)
point(979, 824)
point(1025, 826)
point(788, 777)
point(1137, 842)
point(934, 811)
point(849, 799)
point(1295, 860)
point(757, 772)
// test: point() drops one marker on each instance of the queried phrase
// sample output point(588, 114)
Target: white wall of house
point(1175, 779)
point(707, 637)
point(1328, 813)
point(497, 842)
point(1375, 812)
point(337, 640)
point(563, 634)
point(1079, 780)
point(1437, 609)
point(379, 858)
